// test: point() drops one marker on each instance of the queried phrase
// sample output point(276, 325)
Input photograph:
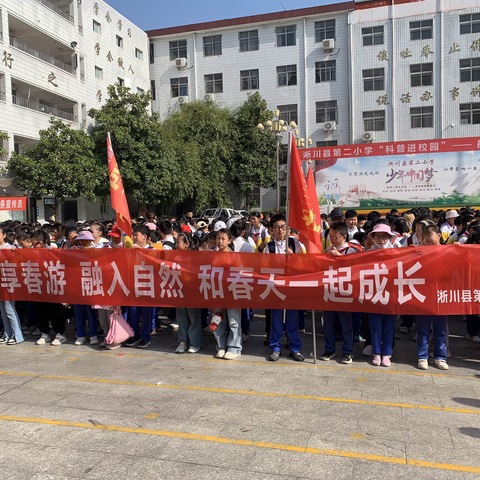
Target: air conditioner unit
point(182, 100)
point(368, 136)
point(209, 97)
point(328, 44)
point(181, 62)
point(330, 126)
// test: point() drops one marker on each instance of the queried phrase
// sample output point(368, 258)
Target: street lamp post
point(278, 127)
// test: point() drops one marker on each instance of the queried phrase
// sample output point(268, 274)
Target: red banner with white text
point(425, 280)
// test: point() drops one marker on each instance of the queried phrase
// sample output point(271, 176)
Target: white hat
point(451, 214)
point(219, 225)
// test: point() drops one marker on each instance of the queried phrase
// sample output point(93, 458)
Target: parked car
point(212, 214)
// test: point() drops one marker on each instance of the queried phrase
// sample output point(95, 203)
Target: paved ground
point(84, 413)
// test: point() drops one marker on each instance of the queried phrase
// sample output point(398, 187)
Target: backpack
point(170, 244)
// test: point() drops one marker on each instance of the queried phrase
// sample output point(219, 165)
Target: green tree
point(61, 164)
point(253, 160)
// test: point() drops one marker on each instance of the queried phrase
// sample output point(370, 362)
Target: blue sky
point(152, 14)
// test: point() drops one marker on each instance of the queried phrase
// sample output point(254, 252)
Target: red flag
point(117, 193)
point(303, 209)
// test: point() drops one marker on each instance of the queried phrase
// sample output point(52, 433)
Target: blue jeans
point(82, 313)
point(439, 323)
point(133, 317)
point(345, 319)
point(11, 322)
point(229, 331)
point(190, 326)
point(291, 329)
point(382, 329)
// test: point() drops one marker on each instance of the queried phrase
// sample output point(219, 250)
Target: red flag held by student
point(117, 193)
point(303, 209)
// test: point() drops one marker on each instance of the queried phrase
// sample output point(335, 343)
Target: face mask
point(379, 245)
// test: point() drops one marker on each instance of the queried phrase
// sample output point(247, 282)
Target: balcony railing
point(14, 42)
point(56, 9)
point(24, 102)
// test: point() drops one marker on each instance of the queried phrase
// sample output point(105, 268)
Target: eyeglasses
point(280, 227)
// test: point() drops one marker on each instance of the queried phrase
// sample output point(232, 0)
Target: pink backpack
point(119, 330)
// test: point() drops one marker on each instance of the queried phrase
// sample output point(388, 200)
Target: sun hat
point(382, 228)
point(451, 214)
point(202, 224)
point(84, 235)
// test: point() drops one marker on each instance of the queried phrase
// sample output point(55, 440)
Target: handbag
point(119, 330)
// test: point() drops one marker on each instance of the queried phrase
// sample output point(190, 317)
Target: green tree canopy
point(61, 164)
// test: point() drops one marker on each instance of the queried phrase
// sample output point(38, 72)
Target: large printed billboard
point(435, 173)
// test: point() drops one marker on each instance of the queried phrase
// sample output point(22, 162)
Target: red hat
point(186, 229)
point(115, 232)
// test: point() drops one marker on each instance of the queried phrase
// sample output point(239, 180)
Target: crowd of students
point(343, 233)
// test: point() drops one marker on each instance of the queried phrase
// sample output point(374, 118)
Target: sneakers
point(403, 330)
point(297, 356)
point(113, 346)
point(328, 356)
point(386, 362)
point(422, 364)
point(132, 342)
point(274, 356)
point(367, 351)
point(347, 358)
point(220, 353)
point(94, 340)
point(182, 347)
point(193, 349)
point(144, 343)
point(231, 356)
point(12, 341)
point(44, 338)
point(103, 344)
point(174, 326)
point(79, 341)
point(376, 360)
point(4, 340)
point(245, 337)
point(358, 339)
point(473, 338)
point(440, 364)
point(59, 339)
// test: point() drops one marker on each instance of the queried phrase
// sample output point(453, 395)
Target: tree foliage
point(61, 164)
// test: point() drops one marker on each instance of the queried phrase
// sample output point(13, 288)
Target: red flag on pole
point(117, 193)
point(303, 209)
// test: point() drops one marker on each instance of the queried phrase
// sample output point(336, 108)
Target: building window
point(326, 111)
point(286, 36)
point(469, 113)
point(373, 79)
point(152, 52)
point(98, 73)
point(421, 74)
point(120, 82)
point(324, 29)
point(248, 41)
point(249, 80)
point(470, 23)
point(421, 30)
point(327, 143)
point(421, 117)
point(326, 71)
point(374, 121)
point(470, 70)
point(97, 27)
point(286, 75)
point(288, 113)
point(178, 49)
point(153, 91)
point(119, 41)
point(179, 87)
point(214, 83)
point(212, 45)
point(255, 197)
point(372, 36)
point(138, 54)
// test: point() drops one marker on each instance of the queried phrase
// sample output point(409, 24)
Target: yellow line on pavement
point(195, 388)
point(247, 443)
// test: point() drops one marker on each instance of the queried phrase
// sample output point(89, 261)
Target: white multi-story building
point(57, 59)
point(363, 71)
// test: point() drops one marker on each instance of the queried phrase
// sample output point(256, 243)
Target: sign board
point(13, 203)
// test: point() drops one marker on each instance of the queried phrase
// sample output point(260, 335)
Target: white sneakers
point(182, 347)
point(44, 338)
point(220, 353)
point(440, 364)
point(59, 339)
point(94, 340)
point(79, 341)
point(231, 356)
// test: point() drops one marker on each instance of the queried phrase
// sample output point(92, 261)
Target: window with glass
point(373, 79)
point(178, 49)
point(98, 73)
point(421, 29)
point(470, 23)
point(372, 36)
point(214, 83)
point(179, 87)
point(97, 27)
point(326, 111)
point(153, 90)
point(421, 74)
point(470, 70)
point(248, 41)
point(374, 121)
point(120, 82)
point(286, 75)
point(421, 117)
point(470, 113)
point(286, 36)
point(327, 143)
point(138, 54)
point(249, 80)
point(119, 41)
point(212, 45)
point(152, 53)
point(326, 71)
point(288, 113)
point(324, 29)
